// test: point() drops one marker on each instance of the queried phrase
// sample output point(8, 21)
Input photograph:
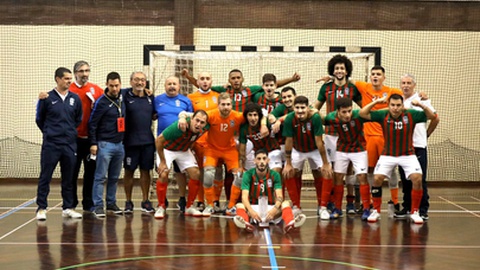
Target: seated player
point(260, 184)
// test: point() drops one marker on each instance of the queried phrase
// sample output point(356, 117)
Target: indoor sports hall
point(437, 41)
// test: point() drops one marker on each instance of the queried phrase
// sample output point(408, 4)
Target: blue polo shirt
point(168, 108)
point(138, 118)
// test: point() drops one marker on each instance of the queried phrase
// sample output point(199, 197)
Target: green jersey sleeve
point(330, 118)
point(247, 179)
point(287, 125)
point(418, 116)
point(242, 138)
point(256, 89)
point(279, 110)
point(219, 89)
point(321, 94)
point(277, 180)
point(378, 116)
point(172, 132)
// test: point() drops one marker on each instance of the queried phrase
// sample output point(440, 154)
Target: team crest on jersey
point(385, 94)
point(194, 137)
point(347, 91)
point(269, 183)
point(309, 126)
point(120, 98)
point(214, 99)
point(72, 101)
point(244, 93)
point(177, 102)
point(405, 119)
point(92, 90)
point(352, 123)
point(232, 123)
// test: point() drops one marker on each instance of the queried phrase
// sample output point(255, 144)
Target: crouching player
point(259, 183)
point(173, 144)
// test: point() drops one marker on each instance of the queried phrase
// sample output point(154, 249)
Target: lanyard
point(119, 105)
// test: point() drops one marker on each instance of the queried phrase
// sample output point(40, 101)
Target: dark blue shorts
point(139, 156)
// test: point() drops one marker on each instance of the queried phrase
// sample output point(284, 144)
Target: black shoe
point(182, 203)
point(115, 209)
point(402, 213)
point(200, 206)
point(147, 207)
point(99, 212)
point(397, 207)
point(424, 216)
point(166, 203)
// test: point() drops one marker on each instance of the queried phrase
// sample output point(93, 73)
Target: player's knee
point(208, 176)
point(362, 179)
point(194, 173)
point(237, 180)
point(240, 206)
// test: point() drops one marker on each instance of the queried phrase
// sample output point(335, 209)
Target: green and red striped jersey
point(398, 133)
point(241, 98)
point(248, 132)
point(177, 140)
point(303, 132)
point(278, 112)
point(268, 104)
point(330, 92)
point(350, 134)
point(261, 186)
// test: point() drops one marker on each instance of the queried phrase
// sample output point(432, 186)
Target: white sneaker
point(416, 218)
point(374, 216)
point(71, 213)
point(299, 220)
point(192, 211)
point(296, 211)
point(243, 224)
point(160, 213)
point(208, 211)
point(324, 214)
point(42, 214)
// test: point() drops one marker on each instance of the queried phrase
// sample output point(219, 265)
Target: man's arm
point(189, 77)
point(433, 125)
point(326, 167)
point(365, 111)
point(318, 104)
point(294, 78)
point(242, 155)
point(428, 112)
point(182, 120)
point(159, 143)
point(41, 114)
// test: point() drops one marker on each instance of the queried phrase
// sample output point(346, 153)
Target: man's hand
point(185, 72)
point(327, 171)
point(423, 95)
point(296, 77)
point(287, 171)
point(264, 131)
point(255, 215)
point(162, 168)
point(271, 214)
point(93, 150)
point(148, 91)
point(42, 95)
point(182, 124)
point(276, 127)
point(381, 100)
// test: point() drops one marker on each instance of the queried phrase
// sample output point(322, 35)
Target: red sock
point(234, 195)
point(292, 191)
point(318, 182)
point(209, 195)
point(377, 203)
point(161, 192)
point(200, 194)
point(365, 195)
point(416, 199)
point(298, 182)
point(394, 194)
point(228, 184)
point(241, 212)
point(327, 186)
point(287, 214)
point(338, 196)
point(193, 186)
point(218, 186)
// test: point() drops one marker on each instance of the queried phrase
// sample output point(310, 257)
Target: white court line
point(26, 223)
point(458, 206)
point(474, 198)
point(11, 210)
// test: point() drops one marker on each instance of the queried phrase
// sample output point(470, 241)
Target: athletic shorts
point(331, 147)
point(374, 149)
point(256, 208)
point(313, 157)
point(229, 157)
point(175, 165)
point(139, 156)
point(184, 159)
point(386, 164)
point(358, 159)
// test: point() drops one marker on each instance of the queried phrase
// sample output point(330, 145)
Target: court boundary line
point(460, 207)
point(17, 208)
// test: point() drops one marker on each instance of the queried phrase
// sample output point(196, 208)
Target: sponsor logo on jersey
point(54, 102)
point(405, 119)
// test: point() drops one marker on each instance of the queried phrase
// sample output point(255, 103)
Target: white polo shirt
point(420, 132)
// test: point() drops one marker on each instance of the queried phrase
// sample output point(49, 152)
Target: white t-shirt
point(420, 132)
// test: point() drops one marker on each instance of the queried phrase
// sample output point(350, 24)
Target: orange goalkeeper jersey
point(204, 101)
point(222, 130)
point(368, 95)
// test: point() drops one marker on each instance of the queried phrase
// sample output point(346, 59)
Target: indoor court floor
point(450, 239)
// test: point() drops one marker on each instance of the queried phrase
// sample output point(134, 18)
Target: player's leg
point(382, 170)
point(298, 160)
point(421, 154)
point(210, 161)
point(82, 152)
point(89, 166)
point(146, 165)
point(413, 172)
point(359, 163)
point(104, 156)
point(68, 159)
point(130, 164)
point(48, 161)
point(181, 179)
point(242, 220)
point(162, 182)
point(115, 167)
point(407, 195)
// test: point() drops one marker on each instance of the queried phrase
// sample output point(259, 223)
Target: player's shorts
point(313, 157)
point(331, 147)
point(374, 149)
point(358, 159)
point(184, 159)
point(229, 157)
point(175, 165)
point(256, 208)
point(386, 164)
point(275, 157)
point(139, 156)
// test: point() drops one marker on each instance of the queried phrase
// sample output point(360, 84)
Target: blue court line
point(17, 208)
point(271, 252)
